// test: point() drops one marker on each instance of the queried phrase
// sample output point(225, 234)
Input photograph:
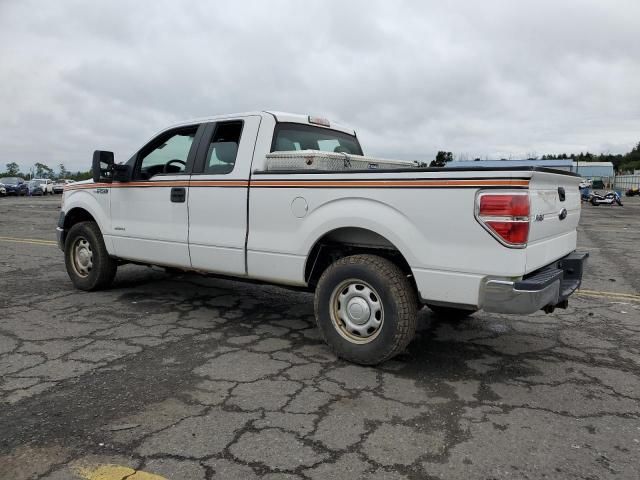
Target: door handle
point(561, 194)
point(178, 194)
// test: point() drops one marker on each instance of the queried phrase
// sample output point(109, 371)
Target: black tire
point(103, 268)
point(389, 291)
point(450, 313)
point(594, 202)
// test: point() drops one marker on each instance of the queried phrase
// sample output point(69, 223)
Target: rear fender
point(368, 214)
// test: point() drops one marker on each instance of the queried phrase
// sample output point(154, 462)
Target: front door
point(150, 217)
point(218, 196)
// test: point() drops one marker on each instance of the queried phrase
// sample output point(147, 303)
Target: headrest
point(284, 145)
point(226, 151)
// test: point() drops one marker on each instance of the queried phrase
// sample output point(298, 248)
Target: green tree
point(631, 161)
point(13, 169)
point(80, 175)
point(42, 170)
point(62, 171)
point(442, 158)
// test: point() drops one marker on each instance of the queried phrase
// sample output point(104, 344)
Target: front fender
point(97, 205)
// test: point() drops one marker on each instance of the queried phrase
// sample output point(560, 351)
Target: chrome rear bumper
point(546, 289)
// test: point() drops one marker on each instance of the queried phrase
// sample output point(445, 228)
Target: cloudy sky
point(480, 78)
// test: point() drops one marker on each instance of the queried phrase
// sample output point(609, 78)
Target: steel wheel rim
point(356, 311)
point(82, 257)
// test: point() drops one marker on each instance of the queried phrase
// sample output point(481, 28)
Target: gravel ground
point(187, 377)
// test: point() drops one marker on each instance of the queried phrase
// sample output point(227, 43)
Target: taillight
point(505, 215)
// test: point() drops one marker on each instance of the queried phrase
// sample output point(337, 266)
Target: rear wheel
point(88, 263)
point(365, 309)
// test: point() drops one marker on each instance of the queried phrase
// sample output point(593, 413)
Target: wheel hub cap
point(356, 311)
point(82, 257)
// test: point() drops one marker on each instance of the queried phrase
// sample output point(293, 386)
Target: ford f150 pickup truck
point(291, 200)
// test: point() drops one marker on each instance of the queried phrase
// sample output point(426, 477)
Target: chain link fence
point(621, 183)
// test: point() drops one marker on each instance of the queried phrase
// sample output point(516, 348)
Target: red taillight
point(505, 216)
point(504, 205)
point(516, 233)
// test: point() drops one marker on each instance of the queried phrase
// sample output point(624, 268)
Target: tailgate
point(554, 213)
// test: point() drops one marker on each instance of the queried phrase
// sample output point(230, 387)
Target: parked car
point(35, 188)
point(58, 187)
point(46, 184)
point(290, 199)
point(14, 185)
point(585, 183)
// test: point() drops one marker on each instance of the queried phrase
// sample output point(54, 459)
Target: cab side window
point(166, 154)
point(223, 149)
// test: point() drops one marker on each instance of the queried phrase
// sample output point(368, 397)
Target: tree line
point(41, 170)
point(622, 163)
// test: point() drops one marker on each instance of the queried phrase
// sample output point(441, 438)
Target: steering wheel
point(175, 160)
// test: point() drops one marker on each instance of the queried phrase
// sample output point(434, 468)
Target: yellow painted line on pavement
point(32, 241)
point(607, 230)
point(613, 295)
point(114, 472)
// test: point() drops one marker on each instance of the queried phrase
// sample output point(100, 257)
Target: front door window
point(167, 155)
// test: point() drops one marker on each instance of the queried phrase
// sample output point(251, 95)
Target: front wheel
point(88, 263)
point(366, 309)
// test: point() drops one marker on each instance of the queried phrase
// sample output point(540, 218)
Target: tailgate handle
point(178, 194)
point(561, 193)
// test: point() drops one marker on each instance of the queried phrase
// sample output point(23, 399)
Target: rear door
point(218, 196)
point(149, 214)
point(554, 213)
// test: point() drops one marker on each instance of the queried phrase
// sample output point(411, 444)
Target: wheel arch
point(345, 241)
point(77, 215)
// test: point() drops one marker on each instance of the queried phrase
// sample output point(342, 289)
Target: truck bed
point(425, 213)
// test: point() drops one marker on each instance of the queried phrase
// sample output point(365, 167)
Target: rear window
point(294, 136)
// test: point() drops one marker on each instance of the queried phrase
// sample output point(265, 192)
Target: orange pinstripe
point(297, 183)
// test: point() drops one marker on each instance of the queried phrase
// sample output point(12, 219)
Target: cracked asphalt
point(187, 377)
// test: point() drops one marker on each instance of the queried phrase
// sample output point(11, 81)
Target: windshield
point(295, 136)
point(36, 182)
point(9, 180)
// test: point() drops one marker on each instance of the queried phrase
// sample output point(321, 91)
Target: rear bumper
point(546, 288)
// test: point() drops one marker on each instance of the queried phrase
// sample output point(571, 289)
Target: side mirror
point(121, 173)
point(102, 166)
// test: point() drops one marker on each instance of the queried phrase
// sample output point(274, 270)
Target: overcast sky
point(479, 78)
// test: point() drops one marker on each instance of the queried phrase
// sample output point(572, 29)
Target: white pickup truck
point(375, 244)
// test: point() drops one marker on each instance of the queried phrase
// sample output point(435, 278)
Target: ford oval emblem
point(563, 214)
